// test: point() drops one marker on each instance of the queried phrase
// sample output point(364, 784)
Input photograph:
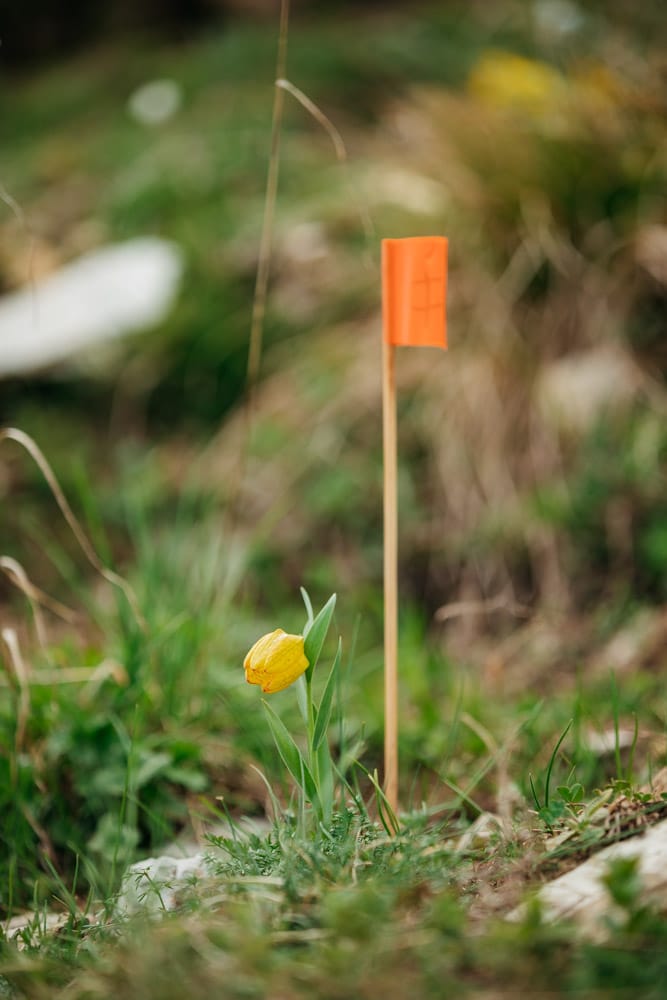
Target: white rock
point(609, 741)
point(480, 834)
point(156, 884)
point(412, 191)
point(153, 885)
point(581, 895)
point(155, 102)
point(99, 297)
point(39, 922)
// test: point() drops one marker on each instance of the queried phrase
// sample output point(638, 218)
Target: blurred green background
point(533, 527)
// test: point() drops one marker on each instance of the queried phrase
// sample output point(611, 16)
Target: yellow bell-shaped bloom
point(275, 661)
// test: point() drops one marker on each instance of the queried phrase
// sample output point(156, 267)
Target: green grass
point(345, 916)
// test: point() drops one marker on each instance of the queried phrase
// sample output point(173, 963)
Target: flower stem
point(312, 756)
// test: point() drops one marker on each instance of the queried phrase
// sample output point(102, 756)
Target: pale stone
point(153, 885)
point(480, 834)
point(581, 895)
point(609, 741)
point(155, 102)
point(412, 191)
point(42, 923)
point(97, 298)
point(157, 884)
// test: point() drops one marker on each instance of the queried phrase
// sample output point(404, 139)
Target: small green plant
point(278, 660)
point(551, 811)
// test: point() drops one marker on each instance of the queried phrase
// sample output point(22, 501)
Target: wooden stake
point(390, 575)
point(414, 290)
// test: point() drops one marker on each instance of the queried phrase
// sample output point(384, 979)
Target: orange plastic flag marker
point(414, 291)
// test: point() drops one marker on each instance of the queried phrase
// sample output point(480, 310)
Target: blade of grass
point(552, 761)
point(290, 754)
point(326, 704)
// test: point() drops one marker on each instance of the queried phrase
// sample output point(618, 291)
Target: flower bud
point(275, 661)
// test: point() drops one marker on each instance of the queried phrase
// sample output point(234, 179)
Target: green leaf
point(534, 792)
point(326, 778)
point(552, 760)
point(309, 608)
point(317, 632)
point(290, 754)
point(574, 793)
point(150, 765)
point(302, 697)
point(194, 781)
point(386, 814)
point(275, 805)
point(551, 814)
point(324, 711)
point(112, 839)
point(287, 748)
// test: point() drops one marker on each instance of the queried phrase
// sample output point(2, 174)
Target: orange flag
point(414, 285)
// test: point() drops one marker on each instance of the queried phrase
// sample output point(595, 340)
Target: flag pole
point(414, 292)
point(390, 574)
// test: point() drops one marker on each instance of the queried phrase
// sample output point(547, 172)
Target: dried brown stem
point(21, 676)
point(18, 576)
point(35, 452)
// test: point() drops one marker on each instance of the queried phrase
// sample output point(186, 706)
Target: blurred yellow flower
point(599, 86)
point(275, 661)
point(505, 80)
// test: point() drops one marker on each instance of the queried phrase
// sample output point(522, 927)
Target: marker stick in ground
point(414, 292)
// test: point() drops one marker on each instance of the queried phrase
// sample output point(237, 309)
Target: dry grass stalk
point(37, 598)
point(35, 452)
point(20, 674)
point(342, 157)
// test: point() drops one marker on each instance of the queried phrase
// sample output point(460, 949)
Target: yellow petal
point(275, 661)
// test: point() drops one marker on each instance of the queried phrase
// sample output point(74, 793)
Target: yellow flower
point(275, 661)
point(505, 80)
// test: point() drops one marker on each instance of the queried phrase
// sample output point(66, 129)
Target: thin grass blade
point(326, 704)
